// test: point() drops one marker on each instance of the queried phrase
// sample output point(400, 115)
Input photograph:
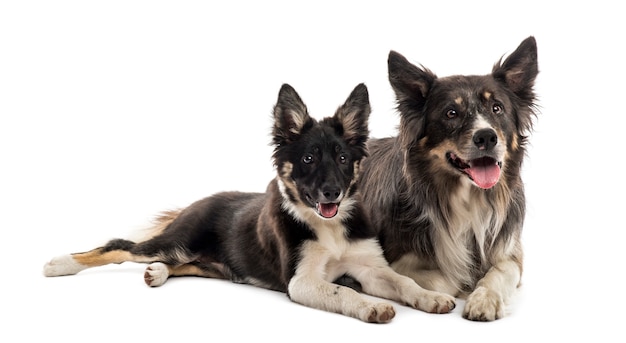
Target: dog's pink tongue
point(484, 172)
point(328, 210)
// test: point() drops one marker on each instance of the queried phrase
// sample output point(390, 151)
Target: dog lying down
point(446, 193)
point(307, 230)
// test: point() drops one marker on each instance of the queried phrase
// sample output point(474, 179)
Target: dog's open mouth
point(327, 210)
point(484, 171)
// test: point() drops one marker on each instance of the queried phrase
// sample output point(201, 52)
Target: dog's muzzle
point(327, 210)
point(484, 171)
point(327, 203)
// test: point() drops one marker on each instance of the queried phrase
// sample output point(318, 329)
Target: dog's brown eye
point(307, 159)
point(496, 108)
point(451, 114)
point(343, 159)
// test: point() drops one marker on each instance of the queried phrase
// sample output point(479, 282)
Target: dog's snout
point(331, 193)
point(485, 139)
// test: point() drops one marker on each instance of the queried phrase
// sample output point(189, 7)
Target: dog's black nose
point(331, 193)
point(485, 139)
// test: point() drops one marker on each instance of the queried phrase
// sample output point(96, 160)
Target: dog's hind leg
point(116, 251)
point(157, 273)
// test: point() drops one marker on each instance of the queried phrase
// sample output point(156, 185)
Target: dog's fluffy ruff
point(439, 224)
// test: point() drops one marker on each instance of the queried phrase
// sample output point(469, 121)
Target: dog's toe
point(483, 305)
point(444, 304)
point(435, 302)
point(380, 313)
point(156, 274)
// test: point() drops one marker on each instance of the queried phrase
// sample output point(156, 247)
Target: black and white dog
point(447, 192)
point(307, 230)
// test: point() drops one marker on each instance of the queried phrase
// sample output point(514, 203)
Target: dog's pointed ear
point(290, 116)
point(353, 116)
point(412, 86)
point(519, 69)
point(410, 83)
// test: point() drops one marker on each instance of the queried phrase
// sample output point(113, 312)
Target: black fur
point(306, 230)
point(251, 237)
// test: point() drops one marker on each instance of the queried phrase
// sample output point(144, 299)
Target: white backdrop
point(111, 111)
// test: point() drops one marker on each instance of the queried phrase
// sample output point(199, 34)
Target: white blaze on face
point(485, 172)
point(481, 123)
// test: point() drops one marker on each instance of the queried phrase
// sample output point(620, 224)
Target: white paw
point(377, 313)
point(62, 265)
point(433, 302)
point(483, 305)
point(156, 274)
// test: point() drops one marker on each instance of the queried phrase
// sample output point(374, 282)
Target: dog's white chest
point(331, 254)
point(331, 238)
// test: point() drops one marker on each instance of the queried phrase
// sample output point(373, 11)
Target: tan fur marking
point(458, 101)
point(438, 154)
point(95, 258)
point(192, 270)
point(515, 143)
point(487, 95)
point(286, 182)
point(356, 167)
point(285, 171)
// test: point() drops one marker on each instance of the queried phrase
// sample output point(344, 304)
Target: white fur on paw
point(62, 265)
point(434, 302)
point(378, 313)
point(156, 274)
point(483, 305)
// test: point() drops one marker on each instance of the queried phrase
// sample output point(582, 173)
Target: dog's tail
point(156, 227)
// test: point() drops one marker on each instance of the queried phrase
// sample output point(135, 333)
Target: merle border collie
point(446, 193)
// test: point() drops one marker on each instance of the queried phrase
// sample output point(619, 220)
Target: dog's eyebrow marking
point(458, 101)
point(487, 95)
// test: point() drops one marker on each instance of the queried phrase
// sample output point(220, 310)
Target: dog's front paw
point(483, 305)
point(156, 274)
point(434, 302)
point(62, 265)
point(378, 313)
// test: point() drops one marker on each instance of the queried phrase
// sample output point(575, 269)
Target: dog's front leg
point(313, 291)
point(384, 282)
point(487, 301)
point(366, 263)
point(309, 287)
